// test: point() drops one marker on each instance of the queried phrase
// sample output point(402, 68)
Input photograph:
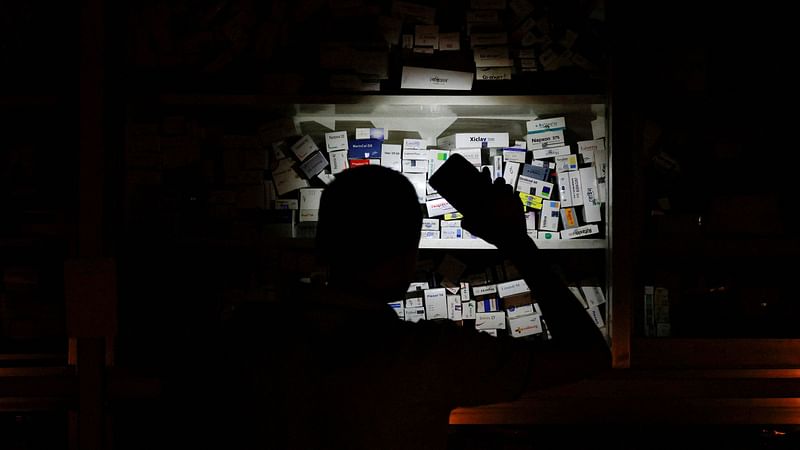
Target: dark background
point(707, 87)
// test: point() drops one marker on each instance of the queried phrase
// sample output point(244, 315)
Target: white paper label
point(512, 288)
point(537, 141)
point(390, 157)
point(539, 125)
point(336, 140)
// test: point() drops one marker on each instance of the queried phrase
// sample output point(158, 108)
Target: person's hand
point(500, 218)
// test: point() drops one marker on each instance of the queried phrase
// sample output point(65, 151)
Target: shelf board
point(723, 248)
point(653, 396)
point(480, 244)
point(463, 105)
point(714, 353)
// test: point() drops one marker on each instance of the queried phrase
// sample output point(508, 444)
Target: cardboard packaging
point(594, 295)
point(436, 304)
point(414, 314)
point(493, 73)
point(550, 215)
point(313, 165)
point(398, 308)
point(468, 310)
point(471, 140)
point(490, 321)
point(430, 224)
point(365, 149)
point(487, 305)
point(514, 154)
point(525, 325)
point(370, 133)
point(489, 289)
point(304, 147)
point(451, 233)
point(438, 207)
point(519, 311)
point(591, 200)
point(336, 140)
point(437, 79)
point(473, 155)
point(454, 307)
point(391, 157)
point(585, 230)
point(511, 288)
point(564, 189)
point(551, 152)
point(541, 125)
point(569, 219)
point(538, 141)
point(309, 204)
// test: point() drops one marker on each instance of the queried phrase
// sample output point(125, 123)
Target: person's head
point(369, 229)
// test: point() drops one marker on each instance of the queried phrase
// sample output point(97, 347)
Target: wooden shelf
point(570, 244)
point(655, 397)
point(680, 246)
point(714, 353)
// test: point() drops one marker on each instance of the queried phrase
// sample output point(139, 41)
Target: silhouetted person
point(335, 368)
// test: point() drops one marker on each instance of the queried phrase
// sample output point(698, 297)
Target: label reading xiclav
point(473, 140)
point(541, 125)
point(544, 139)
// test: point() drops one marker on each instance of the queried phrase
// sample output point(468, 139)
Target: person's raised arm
point(578, 348)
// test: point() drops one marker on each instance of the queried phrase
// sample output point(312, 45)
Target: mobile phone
point(461, 184)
